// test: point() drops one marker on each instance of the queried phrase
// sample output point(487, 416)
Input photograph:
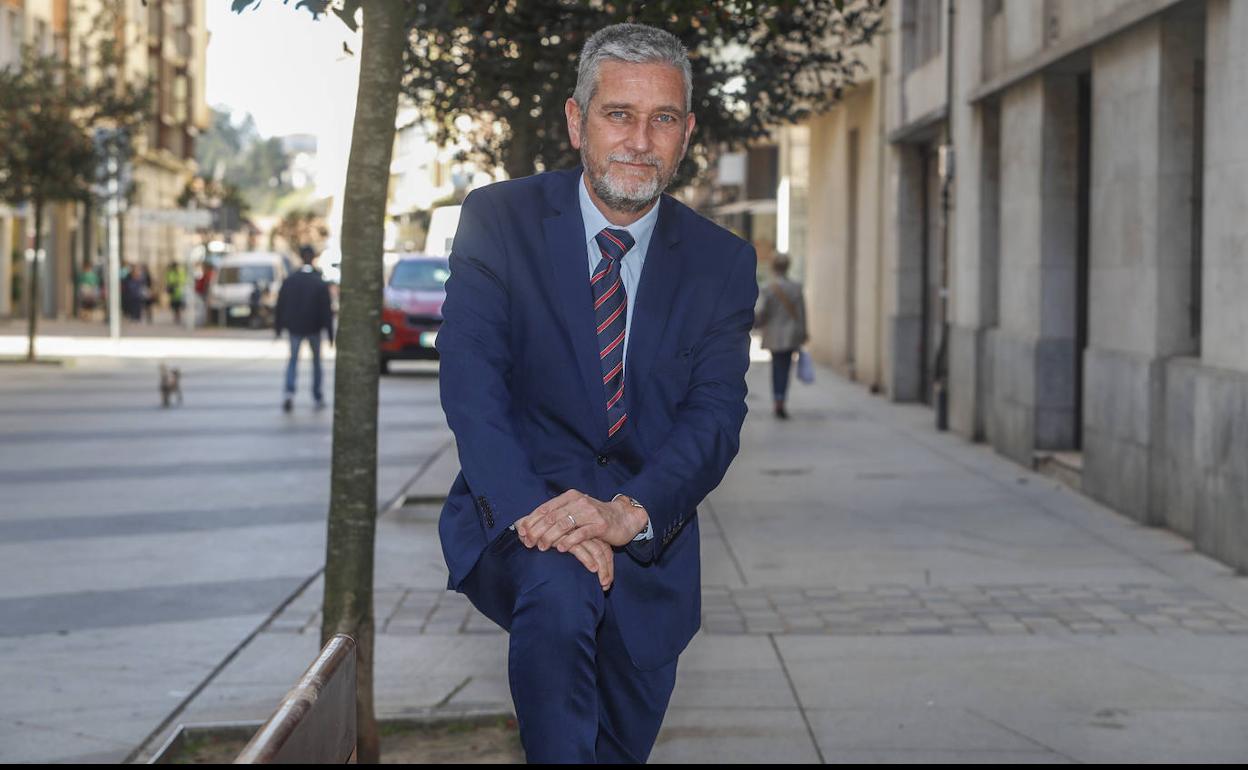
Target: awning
point(760, 206)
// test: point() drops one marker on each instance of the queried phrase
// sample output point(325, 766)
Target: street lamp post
point(114, 252)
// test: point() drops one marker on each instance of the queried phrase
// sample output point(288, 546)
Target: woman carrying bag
point(781, 314)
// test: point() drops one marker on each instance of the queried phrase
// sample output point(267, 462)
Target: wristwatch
point(645, 534)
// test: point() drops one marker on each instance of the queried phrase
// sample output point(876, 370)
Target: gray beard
point(616, 197)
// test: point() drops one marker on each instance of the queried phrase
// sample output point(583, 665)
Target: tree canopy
point(255, 167)
point(509, 66)
point(494, 74)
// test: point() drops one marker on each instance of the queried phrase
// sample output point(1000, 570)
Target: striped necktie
point(611, 312)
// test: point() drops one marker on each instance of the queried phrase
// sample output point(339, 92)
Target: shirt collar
point(595, 221)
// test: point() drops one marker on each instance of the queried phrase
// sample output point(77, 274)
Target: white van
point(238, 275)
point(443, 221)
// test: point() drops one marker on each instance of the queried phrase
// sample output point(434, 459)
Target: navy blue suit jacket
point(521, 386)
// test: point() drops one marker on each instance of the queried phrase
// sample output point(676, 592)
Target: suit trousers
point(577, 694)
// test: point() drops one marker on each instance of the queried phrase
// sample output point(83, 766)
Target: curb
point(243, 730)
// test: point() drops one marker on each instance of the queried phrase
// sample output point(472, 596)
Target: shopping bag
point(805, 367)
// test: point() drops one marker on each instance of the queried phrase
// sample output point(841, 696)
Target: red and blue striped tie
point(611, 311)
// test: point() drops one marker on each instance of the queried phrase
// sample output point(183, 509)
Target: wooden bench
point(315, 722)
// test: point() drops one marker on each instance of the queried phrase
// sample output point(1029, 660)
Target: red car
point(411, 313)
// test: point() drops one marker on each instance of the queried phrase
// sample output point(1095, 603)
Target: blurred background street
point(142, 546)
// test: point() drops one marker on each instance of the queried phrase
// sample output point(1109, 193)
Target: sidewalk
point(873, 591)
point(162, 339)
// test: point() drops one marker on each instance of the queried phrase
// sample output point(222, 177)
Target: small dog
point(170, 384)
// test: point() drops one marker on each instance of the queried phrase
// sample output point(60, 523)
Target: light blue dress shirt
point(630, 269)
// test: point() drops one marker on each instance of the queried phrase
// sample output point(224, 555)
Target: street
point(139, 546)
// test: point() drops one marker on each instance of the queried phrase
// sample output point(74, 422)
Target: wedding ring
point(572, 520)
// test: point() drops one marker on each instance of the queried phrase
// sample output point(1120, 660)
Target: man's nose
point(639, 139)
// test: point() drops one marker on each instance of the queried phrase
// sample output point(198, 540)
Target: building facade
point(1043, 237)
point(42, 25)
point(164, 40)
point(167, 43)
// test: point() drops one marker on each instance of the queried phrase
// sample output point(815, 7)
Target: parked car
point(244, 287)
point(412, 310)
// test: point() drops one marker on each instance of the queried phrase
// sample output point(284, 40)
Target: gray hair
point(636, 43)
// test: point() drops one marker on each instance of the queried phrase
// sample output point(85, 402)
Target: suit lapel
point(568, 256)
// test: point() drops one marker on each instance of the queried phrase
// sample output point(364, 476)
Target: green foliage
point(223, 199)
point(252, 165)
point(511, 64)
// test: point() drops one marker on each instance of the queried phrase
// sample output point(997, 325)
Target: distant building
point(43, 25)
point(164, 40)
point(422, 175)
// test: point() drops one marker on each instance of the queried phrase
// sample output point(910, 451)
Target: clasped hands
point(585, 527)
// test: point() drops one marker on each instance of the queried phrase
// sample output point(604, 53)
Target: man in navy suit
point(594, 349)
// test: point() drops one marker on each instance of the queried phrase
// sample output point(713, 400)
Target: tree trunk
point(348, 600)
point(519, 160)
point(33, 303)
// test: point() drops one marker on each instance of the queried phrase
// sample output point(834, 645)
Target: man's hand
point(575, 517)
point(597, 557)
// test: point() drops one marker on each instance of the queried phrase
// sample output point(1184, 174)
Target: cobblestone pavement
point(883, 609)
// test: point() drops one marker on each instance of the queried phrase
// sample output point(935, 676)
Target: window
point(420, 275)
point(246, 274)
point(921, 27)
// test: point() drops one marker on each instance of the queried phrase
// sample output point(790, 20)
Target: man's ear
point(690, 122)
point(573, 113)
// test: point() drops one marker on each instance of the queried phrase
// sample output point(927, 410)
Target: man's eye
point(665, 118)
point(618, 114)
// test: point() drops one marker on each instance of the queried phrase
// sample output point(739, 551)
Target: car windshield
point(420, 275)
point(246, 274)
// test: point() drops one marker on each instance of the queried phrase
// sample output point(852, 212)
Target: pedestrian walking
point(131, 293)
point(88, 292)
point(175, 285)
point(781, 314)
point(303, 310)
point(595, 403)
point(147, 297)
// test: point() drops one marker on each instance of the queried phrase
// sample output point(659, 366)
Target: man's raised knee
point(564, 591)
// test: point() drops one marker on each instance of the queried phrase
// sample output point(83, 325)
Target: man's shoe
point(780, 413)
point(287, 405)
point(320, 404)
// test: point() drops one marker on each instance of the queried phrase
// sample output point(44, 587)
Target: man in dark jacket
point(303, 310)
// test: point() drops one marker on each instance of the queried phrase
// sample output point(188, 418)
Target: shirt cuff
point(645, 534)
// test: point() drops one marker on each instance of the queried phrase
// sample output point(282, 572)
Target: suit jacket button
point(603, 459)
